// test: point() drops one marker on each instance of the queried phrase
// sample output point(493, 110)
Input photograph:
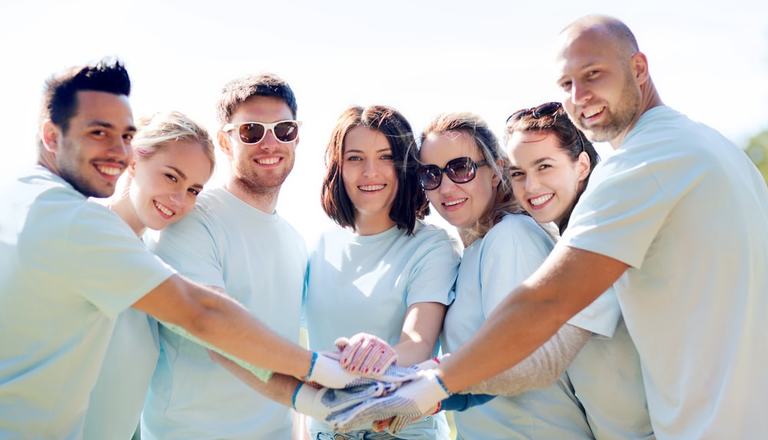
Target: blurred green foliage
point(757, 150)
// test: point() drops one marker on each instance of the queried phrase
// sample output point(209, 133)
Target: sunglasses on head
point(541, 111)
point(253, 132)
point(459, 170)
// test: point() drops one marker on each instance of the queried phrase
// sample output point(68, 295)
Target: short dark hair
point(242, 89)
point(60, 95)
point(410, 201)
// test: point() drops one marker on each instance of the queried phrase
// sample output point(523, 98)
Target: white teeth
point(109, 170)
point(268, 161)
point(371, 187)
point(454, 202)
point(163, 209)
point(540, 200)
point(589, 115)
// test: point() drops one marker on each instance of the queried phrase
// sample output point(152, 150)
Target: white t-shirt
point(688, 212)
point(259, 260)
point(366, 284)
point(68, 267)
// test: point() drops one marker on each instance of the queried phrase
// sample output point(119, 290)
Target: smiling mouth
point(167, 212)
point(454, 202)
point(592, 114)
point(371, 188)
point(540, 200)
point(267, 161)
point(109, 170)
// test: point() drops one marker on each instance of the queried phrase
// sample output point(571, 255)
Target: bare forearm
point(224, 323)
point(539, 370)
point(421, 328)
point(531, 315)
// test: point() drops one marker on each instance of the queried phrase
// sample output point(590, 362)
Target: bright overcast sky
point(708, 59)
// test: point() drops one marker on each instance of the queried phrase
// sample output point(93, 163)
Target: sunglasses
point(253, 132)
point(459, 170)
point(542, 111)
point(546, 109)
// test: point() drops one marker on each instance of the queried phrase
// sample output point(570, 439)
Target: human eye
point(194, 191)
point(544, 166)
point(516, 174)
point(171, 177)
point(387, 156)
point(98, 133)
point(128, 137)
point(566, 85)
point(353, 158)
point(592, 74)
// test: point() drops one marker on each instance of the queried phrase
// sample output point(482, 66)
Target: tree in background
point(757, 150)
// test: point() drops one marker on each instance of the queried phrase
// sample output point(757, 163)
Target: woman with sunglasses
point(551, 161)
point(383, 273)
point(464, 173)
point(173, 159)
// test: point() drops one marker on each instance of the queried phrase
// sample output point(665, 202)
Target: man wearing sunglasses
point(677, 222)
point(235, 242)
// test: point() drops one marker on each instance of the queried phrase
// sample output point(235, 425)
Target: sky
point(708, 59)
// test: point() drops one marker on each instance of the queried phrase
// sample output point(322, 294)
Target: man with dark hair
point(677, 222)
point(68, 267)
point(232, 241)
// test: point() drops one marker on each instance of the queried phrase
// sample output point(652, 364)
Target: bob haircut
point(410, 201)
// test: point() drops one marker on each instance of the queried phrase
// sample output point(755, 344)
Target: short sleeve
point(601, 317)
point(626, 203)
point(434, 273)
point(511, 252)
point(106, 261)
point(189, 246)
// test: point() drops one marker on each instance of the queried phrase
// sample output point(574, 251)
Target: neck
point(122, 206)
point(649, 98)
point(264, 201)
point(372, 224)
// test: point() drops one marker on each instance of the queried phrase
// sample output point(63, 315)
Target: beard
point(75, 170)
point(618, 119)
point(261, 183)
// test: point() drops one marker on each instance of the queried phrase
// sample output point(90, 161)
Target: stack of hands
point(360, 387)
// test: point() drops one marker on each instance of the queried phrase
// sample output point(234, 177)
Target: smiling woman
point(384, 276)
point(173, 160)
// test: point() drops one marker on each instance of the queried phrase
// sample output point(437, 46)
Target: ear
point(50, 135)
point(583, 164)
point(132, 168)
point(224, 143)
point(495, 180)
point(639, 65)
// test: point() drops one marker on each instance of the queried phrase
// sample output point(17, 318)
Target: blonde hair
point(504, 203)
point(156, 131)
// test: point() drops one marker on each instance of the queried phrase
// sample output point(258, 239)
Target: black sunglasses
point(459, 170)
point(540, 111)
point(253, 132)
point(544, 110)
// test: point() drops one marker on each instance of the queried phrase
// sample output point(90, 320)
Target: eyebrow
point(105, 124)
point(361, 151)
point(535, 162)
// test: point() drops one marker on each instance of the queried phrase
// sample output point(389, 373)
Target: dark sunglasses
point(459, 170)
point(541, 111)
point(253, 132)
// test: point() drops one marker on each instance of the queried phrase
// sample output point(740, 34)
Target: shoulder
point(515, 228)
point(428, 235)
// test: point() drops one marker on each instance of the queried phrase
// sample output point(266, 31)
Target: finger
point(359, 358)
point(385, 359)
point(341, 343)
point(349, 353)
point(370, 362)
point(381, 425)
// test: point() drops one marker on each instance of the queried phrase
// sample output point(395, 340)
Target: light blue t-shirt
point(688, 212)
point(259, 260)
point(118, 396)
point(366, 284)
point(68, 267)
point(490, 268)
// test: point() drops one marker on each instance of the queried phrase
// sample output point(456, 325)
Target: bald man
point(678, 220)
